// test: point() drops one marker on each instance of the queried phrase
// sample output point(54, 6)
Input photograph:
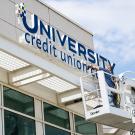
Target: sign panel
point(57, 44)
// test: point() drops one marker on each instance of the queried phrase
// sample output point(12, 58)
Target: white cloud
point(99, 16)
point(119, 48)
point(111, 21)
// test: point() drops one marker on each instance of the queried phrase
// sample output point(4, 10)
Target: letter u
point(35, 28)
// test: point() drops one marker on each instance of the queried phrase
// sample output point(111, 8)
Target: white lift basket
point(106, 105)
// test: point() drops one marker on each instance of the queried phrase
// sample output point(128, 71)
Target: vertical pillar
point(100, 129)
point(39, 117)
point(71, 117)
point(1, 119)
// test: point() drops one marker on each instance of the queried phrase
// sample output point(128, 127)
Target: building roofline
point(67, 18)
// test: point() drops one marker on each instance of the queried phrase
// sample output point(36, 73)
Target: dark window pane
point(56, 116)
point(84, 127)
point(18, 101)
point(49, 130)
point(18, 125)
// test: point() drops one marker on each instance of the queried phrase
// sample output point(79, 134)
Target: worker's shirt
point(108, 78)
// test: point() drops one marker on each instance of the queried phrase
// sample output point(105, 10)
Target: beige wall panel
point(7, 11)
point(12, 0)
point(77, 108)
point(56, 20)
point(41, 92)
point(92, 44)
point(3, 76)
point(37, 8)
point(71, 29)
point(7, 30)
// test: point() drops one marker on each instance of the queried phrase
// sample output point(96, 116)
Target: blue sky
point(111, 21)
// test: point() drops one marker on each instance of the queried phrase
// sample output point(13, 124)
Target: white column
point(99, 129)
point(1, 119)
point(71, 118)
point(39, 117)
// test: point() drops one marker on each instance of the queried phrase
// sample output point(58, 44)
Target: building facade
point(42, 56)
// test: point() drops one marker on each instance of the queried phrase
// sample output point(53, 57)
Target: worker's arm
point(93, 66)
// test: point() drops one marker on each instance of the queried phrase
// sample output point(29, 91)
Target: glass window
point(18, 101)
point(56, 116)
point(18, 125)
point(49, 130)
point(84, 127)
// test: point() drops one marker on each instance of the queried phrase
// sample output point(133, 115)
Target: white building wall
point(9, 25)
point(11, 31)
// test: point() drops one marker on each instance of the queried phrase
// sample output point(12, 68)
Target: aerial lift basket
point(106, 105)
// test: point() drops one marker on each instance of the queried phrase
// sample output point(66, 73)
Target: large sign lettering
point(49, 43)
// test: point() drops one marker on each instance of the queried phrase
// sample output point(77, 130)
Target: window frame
point(21, 116)
point(76, 133)
point(68, 129)
point(22, 94)
point(42, 122)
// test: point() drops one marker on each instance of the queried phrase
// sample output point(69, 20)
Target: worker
point(108, 74)
point(114, 98)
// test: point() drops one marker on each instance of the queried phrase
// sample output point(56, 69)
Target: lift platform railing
point(91, 89)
